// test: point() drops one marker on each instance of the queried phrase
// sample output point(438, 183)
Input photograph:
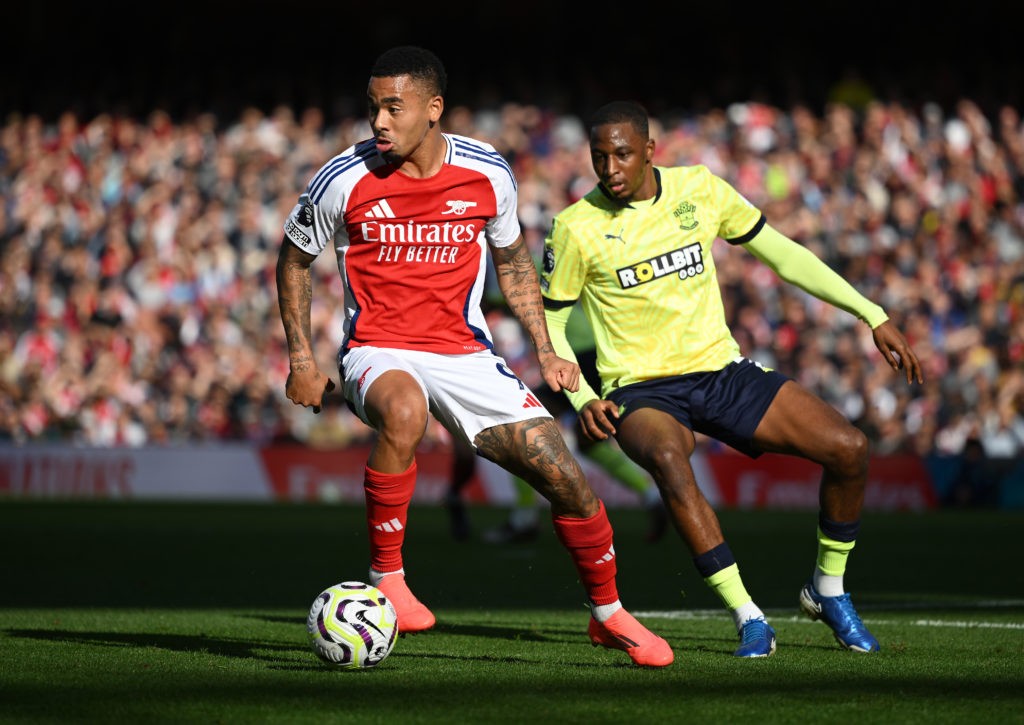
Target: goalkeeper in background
point(636, 253)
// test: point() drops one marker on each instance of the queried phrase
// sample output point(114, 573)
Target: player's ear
point(650, 150)
point(435, 107)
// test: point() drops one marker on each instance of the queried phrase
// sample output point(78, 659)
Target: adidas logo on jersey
point(532, 402)
point(390, 526)
point(381, 210)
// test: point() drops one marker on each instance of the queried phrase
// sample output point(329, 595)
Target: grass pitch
point(124, 612)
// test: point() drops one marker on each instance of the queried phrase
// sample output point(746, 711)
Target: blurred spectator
point(973, 484)
point(137, 267)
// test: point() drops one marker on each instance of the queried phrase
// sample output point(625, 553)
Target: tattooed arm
point(306, 385)
point(518, 281)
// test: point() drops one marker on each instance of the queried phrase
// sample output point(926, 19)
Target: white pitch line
point(967, 625)
point(704, 614)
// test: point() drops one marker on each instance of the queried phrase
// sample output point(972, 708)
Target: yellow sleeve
point(557, 319)
point(562, 270)
point(800, 267)
point(739, 219)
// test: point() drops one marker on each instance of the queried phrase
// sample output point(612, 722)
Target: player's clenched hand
point(308, 387)
point(897, 351)
point(597, 419)
point(560, 374)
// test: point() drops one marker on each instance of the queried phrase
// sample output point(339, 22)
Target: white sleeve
point(503, 228)
point(307, 227)
point(313, 221)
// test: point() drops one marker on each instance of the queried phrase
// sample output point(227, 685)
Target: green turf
point(124, 612)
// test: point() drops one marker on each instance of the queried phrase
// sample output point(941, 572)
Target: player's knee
point(403, 422)
point(850, 453)
point(668, 459)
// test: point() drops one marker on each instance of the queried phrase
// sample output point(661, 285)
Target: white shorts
point(466, 393)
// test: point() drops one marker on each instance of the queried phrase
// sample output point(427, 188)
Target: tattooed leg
point(535, 451)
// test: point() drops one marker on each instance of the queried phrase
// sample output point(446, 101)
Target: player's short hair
point(629, 112)
point(418, 63)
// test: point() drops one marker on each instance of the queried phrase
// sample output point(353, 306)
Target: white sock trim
point(744, 612)
point(827, 585)
point(602, 612)
point(376, 576)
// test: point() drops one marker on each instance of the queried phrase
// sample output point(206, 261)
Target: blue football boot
point(838, 613)
point(757, 639)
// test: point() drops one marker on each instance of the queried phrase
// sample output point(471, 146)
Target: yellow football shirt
point(645, 276)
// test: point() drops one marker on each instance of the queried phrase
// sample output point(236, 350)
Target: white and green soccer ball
point(352, 625)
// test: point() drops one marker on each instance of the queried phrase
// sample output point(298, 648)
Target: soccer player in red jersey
point(411, 213)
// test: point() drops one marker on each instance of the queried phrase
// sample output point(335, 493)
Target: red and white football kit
point(412, 256)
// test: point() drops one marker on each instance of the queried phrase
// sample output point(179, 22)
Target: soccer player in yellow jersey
point(636, 252)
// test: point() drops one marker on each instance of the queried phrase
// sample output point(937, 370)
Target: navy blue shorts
point(727, 404)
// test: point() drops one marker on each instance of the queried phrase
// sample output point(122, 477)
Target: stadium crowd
point(137, 302)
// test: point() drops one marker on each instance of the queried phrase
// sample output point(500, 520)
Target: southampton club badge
point(684, 213)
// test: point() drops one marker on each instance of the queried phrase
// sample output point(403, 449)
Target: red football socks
point(589, 542)
point(387, 507)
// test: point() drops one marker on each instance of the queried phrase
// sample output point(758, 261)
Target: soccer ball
point(352, 625)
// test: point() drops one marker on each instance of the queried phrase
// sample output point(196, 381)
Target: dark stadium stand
point(222, 55)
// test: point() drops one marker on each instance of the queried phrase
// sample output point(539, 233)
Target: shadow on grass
point(242, 649)
point(534, 634)
point(680, 639)
point(610, 684)
point(220, 646)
